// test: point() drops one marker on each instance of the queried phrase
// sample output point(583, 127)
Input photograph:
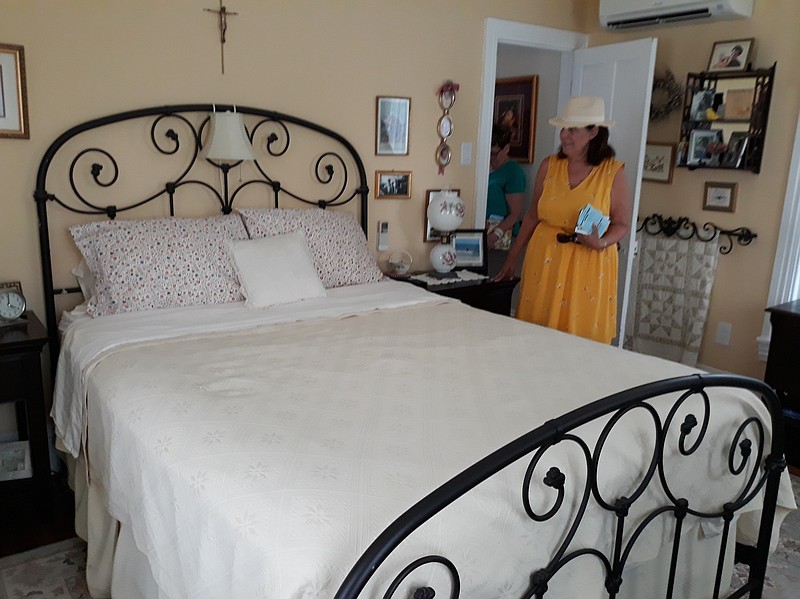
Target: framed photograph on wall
point(13, 93)
point(720, 196)
point(730, 55)
point(699, 141)
point(659, 160)
point(392, 185)
point(470, 246)
point(737, 145)
point(515, 101)
point(432, 234)
point(391, 126)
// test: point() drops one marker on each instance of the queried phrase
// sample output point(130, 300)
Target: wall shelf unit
point(725, 119)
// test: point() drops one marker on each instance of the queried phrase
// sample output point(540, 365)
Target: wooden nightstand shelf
point(782, 372)
point(484, 294)
point(21, 384)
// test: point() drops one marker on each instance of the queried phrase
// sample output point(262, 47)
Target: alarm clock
point(12, 305)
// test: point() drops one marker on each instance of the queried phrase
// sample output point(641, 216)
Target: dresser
point(783, 371)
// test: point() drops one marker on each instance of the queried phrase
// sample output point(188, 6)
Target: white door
point(622, 74)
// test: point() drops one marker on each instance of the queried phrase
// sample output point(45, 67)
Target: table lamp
point(445, 213)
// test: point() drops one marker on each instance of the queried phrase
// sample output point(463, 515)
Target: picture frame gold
point(720, 196)
point(394, 185)
point(13, 93)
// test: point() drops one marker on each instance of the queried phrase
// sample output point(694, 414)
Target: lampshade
point(446, 210)
point(227, 138)
point(445, 213)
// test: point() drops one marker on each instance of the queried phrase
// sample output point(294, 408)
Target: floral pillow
point(162, 263)
point(337, 243)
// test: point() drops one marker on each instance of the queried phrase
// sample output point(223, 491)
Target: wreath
point(667, 96)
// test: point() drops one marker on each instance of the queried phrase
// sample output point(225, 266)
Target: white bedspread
point(262, 459)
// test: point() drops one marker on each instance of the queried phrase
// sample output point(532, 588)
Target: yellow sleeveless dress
point(567, 286)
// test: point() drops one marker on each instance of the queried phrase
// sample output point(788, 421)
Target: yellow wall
point(743, 277)
point(327, 60)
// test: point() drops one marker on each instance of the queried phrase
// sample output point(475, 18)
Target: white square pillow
point(276, 270)
point(337, 242)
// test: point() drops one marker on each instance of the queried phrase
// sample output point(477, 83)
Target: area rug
point(54, 571)
point(57, 571)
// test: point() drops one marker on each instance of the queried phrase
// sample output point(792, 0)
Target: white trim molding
point(785, 285)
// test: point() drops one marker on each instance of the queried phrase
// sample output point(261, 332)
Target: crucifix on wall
point(222, 14)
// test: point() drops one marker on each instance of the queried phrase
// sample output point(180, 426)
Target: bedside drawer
point(12, 385)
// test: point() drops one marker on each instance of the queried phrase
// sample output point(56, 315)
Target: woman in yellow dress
point(569, 281)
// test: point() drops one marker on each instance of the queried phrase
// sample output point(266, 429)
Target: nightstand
point(484, 294)
point(21, 385)
point(781, 373)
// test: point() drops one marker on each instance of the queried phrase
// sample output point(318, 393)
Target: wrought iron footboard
point(680, 411)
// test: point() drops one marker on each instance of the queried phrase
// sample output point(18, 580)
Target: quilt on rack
point(673, 293)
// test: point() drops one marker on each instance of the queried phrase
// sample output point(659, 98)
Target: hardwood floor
point(29, 520)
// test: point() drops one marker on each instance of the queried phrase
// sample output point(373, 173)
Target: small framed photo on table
point(392, 185)
point(720, 196)
point(699, 140)
point(730, 55)
point(470, 246)
point(659, 160)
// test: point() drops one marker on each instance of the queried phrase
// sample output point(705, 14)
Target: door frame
point(497, 31)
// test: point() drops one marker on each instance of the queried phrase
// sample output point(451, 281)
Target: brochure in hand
point(592, 216)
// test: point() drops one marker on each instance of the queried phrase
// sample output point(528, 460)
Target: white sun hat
point(582, 111)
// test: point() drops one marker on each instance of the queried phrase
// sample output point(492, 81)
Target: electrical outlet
point(724, 333)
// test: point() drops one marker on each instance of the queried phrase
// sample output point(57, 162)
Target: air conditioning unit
point(628, 14)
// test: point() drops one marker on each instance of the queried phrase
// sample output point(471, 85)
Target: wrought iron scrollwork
point(684, 228)
point(94, 172)
point(679, 437)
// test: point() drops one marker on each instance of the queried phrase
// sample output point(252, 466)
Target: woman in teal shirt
point(505, 199)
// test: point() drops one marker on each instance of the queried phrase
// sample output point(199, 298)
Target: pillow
point(160, 263)
point(275, 270)
point(86, 280)
point(337, 243)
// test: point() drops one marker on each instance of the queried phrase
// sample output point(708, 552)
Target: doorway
point(621, 73)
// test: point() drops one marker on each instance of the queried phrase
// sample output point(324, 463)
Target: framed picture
point(701, 101)
point(515, 102)
point(392, 185)
point(13, 93)
point(391, 126)
point(737, 145)
point(432, 234)
point(699, 141)
point(659, 160)
point(720, 196)
point(470, 246)
point(739, 103)
point(730, 55)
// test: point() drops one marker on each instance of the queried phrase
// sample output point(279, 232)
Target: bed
point(237, 432)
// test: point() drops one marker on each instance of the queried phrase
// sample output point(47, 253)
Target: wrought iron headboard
point(178, 130)
point(684, 228)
